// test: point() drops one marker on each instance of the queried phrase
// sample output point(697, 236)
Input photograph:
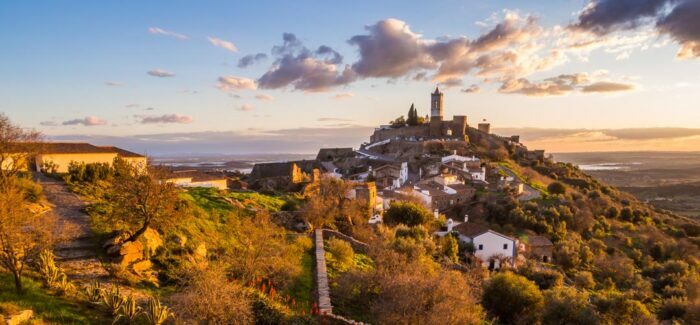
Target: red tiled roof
point(470, 229)
point(538, 241)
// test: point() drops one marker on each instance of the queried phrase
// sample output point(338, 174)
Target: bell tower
point(436, 108)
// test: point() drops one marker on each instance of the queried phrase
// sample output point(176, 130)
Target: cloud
point(160, 31)
point(473, 89)
point(161, 73)
point(246, 107)
point(563, 84)
point(251, 59)
point(164, 119)
point(391, 50)
point(305, 70)
point(113, 83)
point(132, 105)
point(229, 46)
point(342, 96)
point(606, 87)
point(332, 119)
point(605, 16)
point(238, 83)
point(87, 121)
point(676, 18)
point(264, 97)
point(297, 140)
point(48, 123)
point(452, 82)
point(636, 139)
point(683, 26)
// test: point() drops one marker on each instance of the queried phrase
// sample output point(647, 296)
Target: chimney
point(454, 152)
point(436, 213)
point(466, 218)
point(450, 224)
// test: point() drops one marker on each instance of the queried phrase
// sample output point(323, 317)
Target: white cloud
point(160, 31)
point(246, 107)
point(232, 82)
point(87, 121)
point(161, 73)
point(264, 97)
point(222, 44)
point(113, 83)
point(342, 96)
point(164, 119)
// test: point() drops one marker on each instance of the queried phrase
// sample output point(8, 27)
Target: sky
point(290, 76)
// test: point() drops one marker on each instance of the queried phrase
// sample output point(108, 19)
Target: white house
point(491, 247)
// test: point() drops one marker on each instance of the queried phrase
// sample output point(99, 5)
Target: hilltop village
point(442, 163)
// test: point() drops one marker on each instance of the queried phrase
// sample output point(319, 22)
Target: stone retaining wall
point(357, 245)
point(324, 292)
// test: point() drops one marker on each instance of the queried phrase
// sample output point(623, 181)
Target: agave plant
point(48, 271)
point(64, 286)
point(93, 293)
point(114, 300)
point(128, 312)
point(155, 313)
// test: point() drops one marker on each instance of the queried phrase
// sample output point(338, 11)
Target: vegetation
point(407, 213)
point(512, 299)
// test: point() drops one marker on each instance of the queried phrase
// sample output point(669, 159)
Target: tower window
point(505, 246)
point(481, 247)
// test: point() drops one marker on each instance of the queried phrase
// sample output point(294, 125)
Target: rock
point(20, 318)
point(128, 252)
point(201, 251)
point(116, 240)
point(180, 240)
point(152, 241)
point(142, 267)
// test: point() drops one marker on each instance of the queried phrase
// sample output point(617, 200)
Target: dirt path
point(77, 253)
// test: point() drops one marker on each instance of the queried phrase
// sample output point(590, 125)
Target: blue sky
point(79, 68)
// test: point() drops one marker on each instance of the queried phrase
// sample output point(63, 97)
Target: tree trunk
point(138, 232)
point(18, 283)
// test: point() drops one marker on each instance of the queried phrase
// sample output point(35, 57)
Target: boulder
point(20, 318)
point(151, 240)
point(128, 252)
point(142, 267)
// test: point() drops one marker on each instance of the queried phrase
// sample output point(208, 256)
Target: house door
point(545, 259)
point(492, 264)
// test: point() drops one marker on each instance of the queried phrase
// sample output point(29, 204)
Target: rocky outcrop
point(152, 241)
point(21, 318)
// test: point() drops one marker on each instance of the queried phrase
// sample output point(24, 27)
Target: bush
point(407, 213)
point(673, 308)
point(568, 306)
point(341, 254)
point(556, 188)
point(584, 279)
point(512, 298)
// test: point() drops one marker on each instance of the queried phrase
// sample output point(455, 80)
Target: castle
point(435, 128)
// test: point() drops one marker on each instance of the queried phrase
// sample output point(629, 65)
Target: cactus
point(48, 271)
point(114, 300)
point(64, 286)
point(128, 311)
point(93, 293)
point(155, 313)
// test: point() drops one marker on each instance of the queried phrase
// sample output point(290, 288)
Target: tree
point(568, 306)
point(327, 204)
point(399, 122)
point(22, 234)
point(512, 298)
point(556, 188)
point(407, 213)
point(17, 145)
point(260, 248)
point(141, 199)
point(413, 118)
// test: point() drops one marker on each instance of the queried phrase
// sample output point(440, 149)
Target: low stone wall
point(323, 289)
point(325, 308)
point(357, 245)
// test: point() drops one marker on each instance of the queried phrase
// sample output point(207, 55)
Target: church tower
point(436, 110)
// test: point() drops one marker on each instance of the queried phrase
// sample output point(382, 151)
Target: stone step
point(75, 254)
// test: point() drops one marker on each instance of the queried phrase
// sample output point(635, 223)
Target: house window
point(505, 246)
point(481, 247)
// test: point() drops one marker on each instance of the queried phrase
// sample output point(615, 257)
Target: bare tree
point(17, 146)
point(22, 234)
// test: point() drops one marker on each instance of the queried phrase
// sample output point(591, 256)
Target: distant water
point(608, 166)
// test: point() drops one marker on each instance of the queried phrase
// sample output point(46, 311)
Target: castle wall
point(406, 131)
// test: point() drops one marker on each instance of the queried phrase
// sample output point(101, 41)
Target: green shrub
point(512, 298)
point(556, 188)
point(407, 213)
point(341, 254)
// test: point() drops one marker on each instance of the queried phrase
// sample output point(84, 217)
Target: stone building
point(283, 175)
point(435, 128)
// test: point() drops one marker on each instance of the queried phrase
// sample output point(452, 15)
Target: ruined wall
point(407, 131)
